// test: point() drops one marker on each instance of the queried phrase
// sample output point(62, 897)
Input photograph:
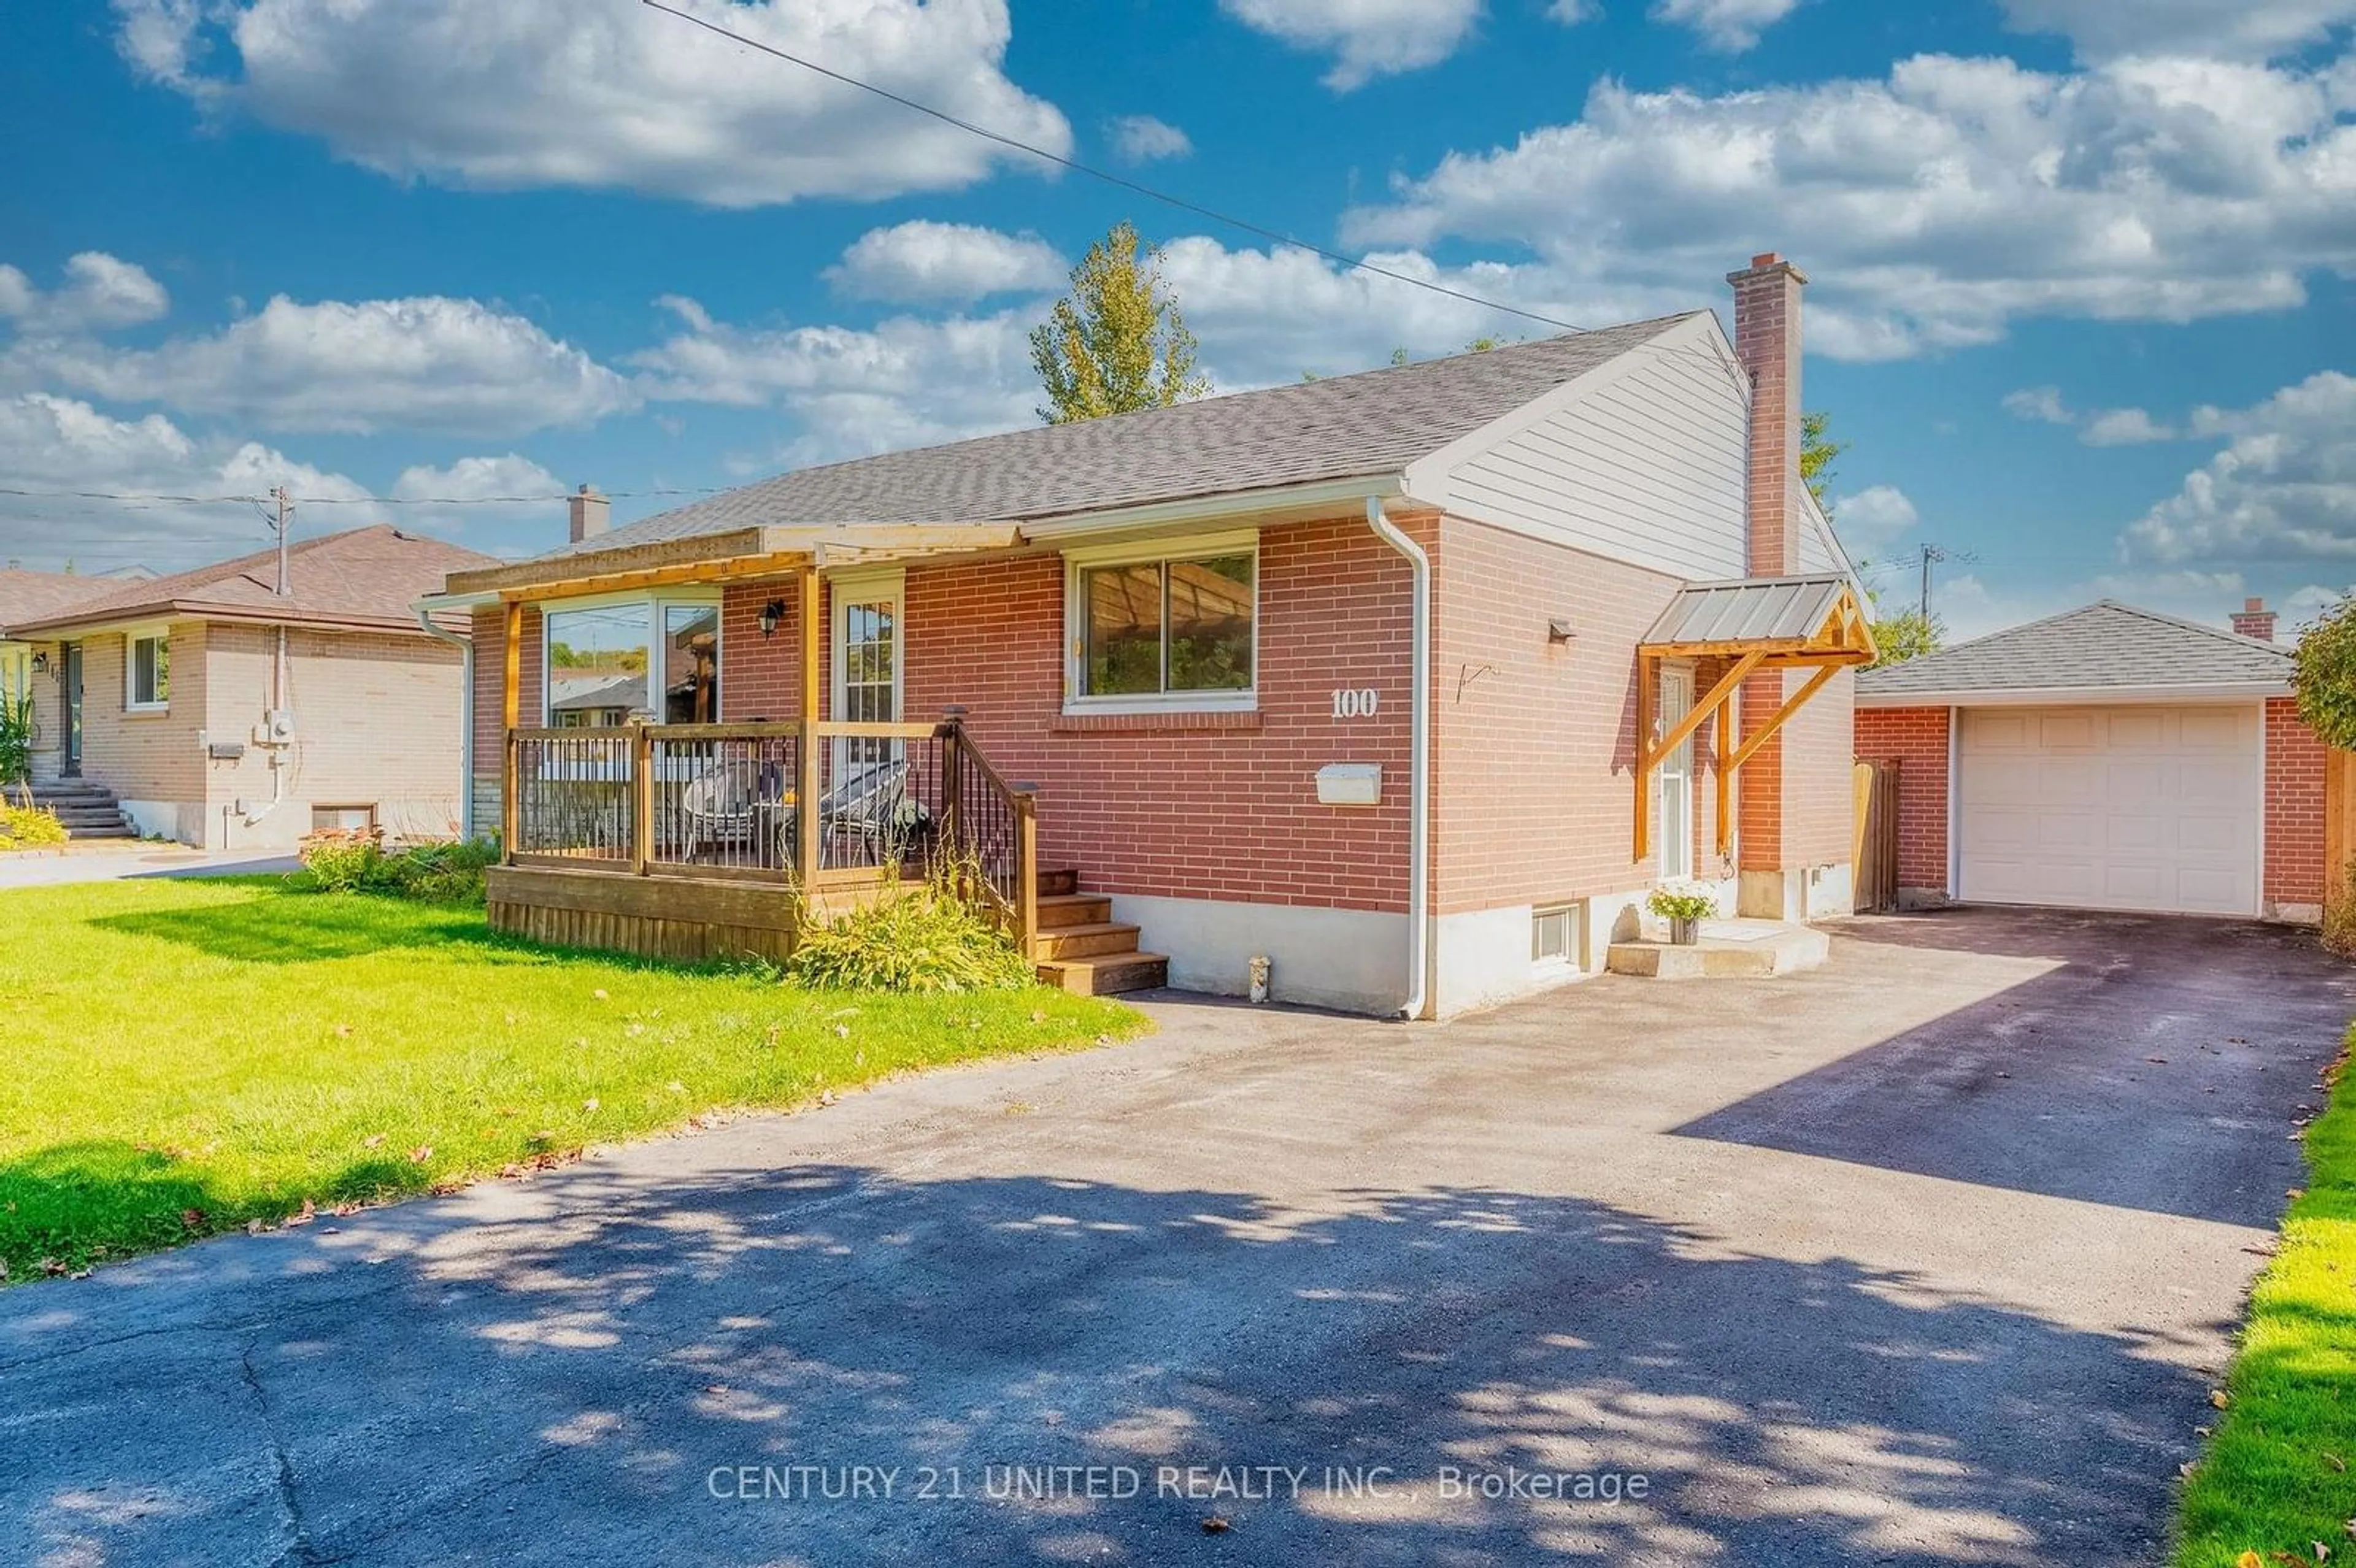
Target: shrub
point(344, 861)
point(29, 826)
point(16, 740)
point(354, 861)
point(923, 938)
point(2339, 916)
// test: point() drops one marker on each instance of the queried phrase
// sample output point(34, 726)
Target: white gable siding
point(1647, 468)
point(1817, 550)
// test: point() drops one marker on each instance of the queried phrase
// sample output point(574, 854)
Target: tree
point(1117, 343)
point(1816, 454)
point(2323, 673)
point(1908, 634)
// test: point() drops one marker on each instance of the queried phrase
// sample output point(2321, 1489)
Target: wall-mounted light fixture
point(40, 661)
point(1559, 631)
point(773, 615)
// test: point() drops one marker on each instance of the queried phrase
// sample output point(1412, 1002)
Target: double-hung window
point(147, 671)
point(1164, 626)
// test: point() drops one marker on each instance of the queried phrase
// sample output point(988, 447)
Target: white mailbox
point(1350, 784)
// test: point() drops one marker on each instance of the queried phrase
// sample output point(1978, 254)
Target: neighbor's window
point(1178, 625)
point(149, 674)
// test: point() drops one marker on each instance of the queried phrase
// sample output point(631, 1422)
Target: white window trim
point(131, 637)
point(1186, 547)
point(866, 587)
point(654, 603)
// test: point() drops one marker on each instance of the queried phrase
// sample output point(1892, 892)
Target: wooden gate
point(1876, 860)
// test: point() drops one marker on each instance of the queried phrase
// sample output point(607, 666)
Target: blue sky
point(2084, 272)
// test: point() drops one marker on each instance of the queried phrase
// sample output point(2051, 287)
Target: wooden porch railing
point(726, 800)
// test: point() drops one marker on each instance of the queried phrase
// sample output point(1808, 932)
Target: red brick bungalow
point(1342, 675)
point(2108, 758)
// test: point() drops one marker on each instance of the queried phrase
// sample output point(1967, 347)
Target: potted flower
point(1684, 909)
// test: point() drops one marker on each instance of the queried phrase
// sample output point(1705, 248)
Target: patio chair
point(871, 815)
point(717, 808)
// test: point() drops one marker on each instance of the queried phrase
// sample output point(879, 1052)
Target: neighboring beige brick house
point(1186, 638)
point(226, 715)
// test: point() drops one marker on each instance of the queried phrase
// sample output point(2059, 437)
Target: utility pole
point(1930, 553)
point(286, 516)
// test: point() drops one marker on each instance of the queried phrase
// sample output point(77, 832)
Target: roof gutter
point(2061, 696)
point(1418, 834)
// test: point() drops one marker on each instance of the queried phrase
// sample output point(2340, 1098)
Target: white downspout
point(466, 646)
point(1419, 837)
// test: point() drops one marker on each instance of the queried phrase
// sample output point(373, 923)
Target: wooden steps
point(1080, 948)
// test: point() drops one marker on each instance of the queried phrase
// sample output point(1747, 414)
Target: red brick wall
point(2295, 760)
point(491, 678)
point(1533, 793)
point(1759, 792)
point(1916, 738)
point(1818, 768)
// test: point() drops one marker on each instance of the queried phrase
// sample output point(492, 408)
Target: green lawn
point(183, 1057)
point(2277, 1478)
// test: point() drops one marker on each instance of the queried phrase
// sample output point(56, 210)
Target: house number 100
point(1358, 704)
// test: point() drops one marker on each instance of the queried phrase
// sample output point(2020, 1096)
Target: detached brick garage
point(2108, 758)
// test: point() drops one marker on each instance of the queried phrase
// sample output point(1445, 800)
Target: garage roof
point(2105, 649)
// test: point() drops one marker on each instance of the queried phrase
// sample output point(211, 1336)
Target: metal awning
point(1755, 624)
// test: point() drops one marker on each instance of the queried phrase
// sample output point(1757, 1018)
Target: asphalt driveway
point(1927, 1257)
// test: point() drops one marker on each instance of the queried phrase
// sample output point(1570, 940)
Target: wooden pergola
point(1757, 625)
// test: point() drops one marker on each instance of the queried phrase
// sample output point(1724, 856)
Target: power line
point(1272, 235)
point(261, 498)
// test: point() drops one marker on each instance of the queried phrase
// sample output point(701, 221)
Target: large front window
point(1174, 629)
point(656, 660)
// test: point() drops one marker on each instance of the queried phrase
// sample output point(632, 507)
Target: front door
point(867, 776)
point(1677, 778)
point(70, 684)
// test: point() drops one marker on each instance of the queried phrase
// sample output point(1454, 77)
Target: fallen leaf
point(372, 1140)
point(52, 1268)
point(1215, 1525)
point(599, 993)
point(2217, 1397)
point(255, 1227)
point(420, 1154)
point(343, 1030)
point(589, 1105)
point(2249, 1560)
point(842, 1031)
point(192, 1219)
point(345, 1211)
point(2161, 1059)
point(2335, 1461)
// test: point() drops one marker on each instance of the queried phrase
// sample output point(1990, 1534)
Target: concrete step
point(1098, 939)
point(1108, 975)
point(49, 793)
point(117, 831)
point(1728, 949)
point(1058, 882)
point(1057, 910)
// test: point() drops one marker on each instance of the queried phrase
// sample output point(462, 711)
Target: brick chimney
point(592, 514)
point(2254, 620)
point(1767, 340)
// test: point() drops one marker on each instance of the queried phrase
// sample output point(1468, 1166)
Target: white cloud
point(1572, 13)
point(611, 94)
point(99, 292)
point(429, 363)
point(2123, 427)
point(923, 261)
point(54, 444)
point(1142, 139)
point(1935, 207)
point(2283, 489)
point(2243, 29)
point(907, 381)
point(1732, 26)
point(2040, 403)
point(512, 479)
point(1366, 37)
point(2096, 427)
point(1873, 520)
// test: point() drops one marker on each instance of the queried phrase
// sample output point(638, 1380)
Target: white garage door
point(2131, 808)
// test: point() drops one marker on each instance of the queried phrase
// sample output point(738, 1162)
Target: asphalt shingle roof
point(1339, 427)
point(363, 576)
point(31, 595)
point(2104, 644)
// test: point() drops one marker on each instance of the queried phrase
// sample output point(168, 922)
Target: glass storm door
point(866, 775)
point(1677, 778)
point(69, 679)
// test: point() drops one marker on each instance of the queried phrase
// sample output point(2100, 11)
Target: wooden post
point(642, 797)
point(952, 735)
point(1720, 747)
point(1026, 867)
point(510, 708)
point(2338, 841)
point(806, 787)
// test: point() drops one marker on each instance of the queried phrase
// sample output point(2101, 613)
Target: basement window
point(343, 819)
point(1553, 934)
